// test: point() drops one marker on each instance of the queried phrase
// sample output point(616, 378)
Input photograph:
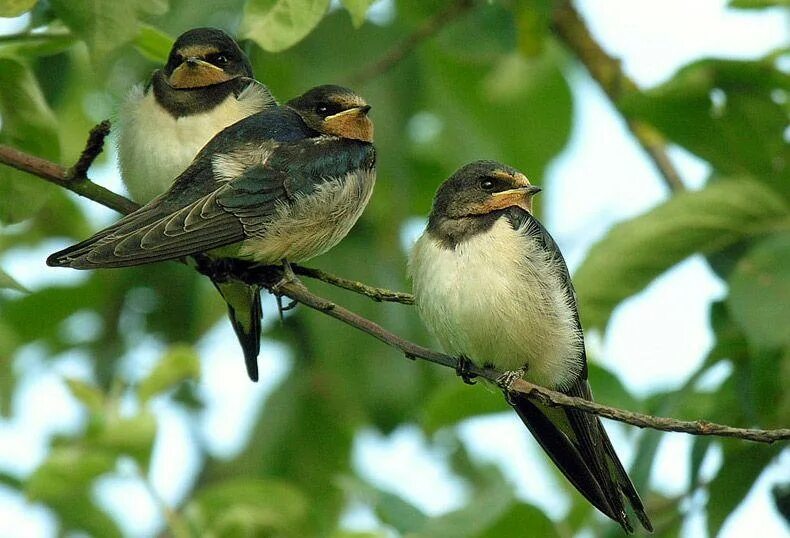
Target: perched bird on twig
point(285, 184)
point(492, 286)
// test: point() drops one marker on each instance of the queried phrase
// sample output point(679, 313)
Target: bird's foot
point(462, 370)
point(506, 380)
point(289, 277)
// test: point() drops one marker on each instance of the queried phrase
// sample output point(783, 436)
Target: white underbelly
point(497, 299)
point(313, 224)
point(154, 147)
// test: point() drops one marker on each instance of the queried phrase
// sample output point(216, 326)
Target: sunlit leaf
point(89, 395)
point(248, 507)
point(357, 9)
point(38, 44)
point(27, 124)
point(63, 482)
point(128, 436)
point(758, 4)
point(153, 43)
point(635, 252)
point(177, 365)
point(9, 283)
point(480, 515)
point(104, 26)
point(14, 8)
point(725, 111)
point(760, 292)
point(276, 25)
point(520, 520)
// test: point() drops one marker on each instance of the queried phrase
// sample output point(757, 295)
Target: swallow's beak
point(196, 73)
point(352, 123)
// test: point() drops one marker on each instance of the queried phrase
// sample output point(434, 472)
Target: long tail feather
point(245, 313)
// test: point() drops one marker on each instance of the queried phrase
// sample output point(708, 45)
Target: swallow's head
point(482, 187)
point(335, 110)
point(203, 57)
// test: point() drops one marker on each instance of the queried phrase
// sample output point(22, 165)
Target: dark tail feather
point(563, 453)
point(626, 486)
point(245, 312)
point(596, 448)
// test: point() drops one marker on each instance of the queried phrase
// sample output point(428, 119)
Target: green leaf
point(357, 9)
point(725, 112)
point(14, 8)
point(522, 520)
point(454, 401)
point(248, 507)
point(89, 395)
point(482, 513)
point(758, 4)
point(759, 298)
point(276, 25)
point(390, 508)
point(38, 44)
point(635, 252)
point(64, 481)
point(180, 363)
point(130, 436)
point(104, 26)
point(9, 283)
point(743, 463)
point(153, 43)
point(27, 124)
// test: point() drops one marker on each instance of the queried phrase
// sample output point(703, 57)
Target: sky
point(601, 178)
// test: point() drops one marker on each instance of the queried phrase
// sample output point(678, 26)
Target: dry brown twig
point(296, 291)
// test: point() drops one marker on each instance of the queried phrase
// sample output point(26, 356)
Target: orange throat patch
point(353, 124)
point(198, 76)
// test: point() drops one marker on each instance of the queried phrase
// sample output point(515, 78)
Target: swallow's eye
point(217, 59)
point(327, 109)
point(487, 185)
point(177, 59)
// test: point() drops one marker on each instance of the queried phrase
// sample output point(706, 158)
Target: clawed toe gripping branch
point(271, 277)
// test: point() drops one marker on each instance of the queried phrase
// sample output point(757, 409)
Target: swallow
point(283, 185)
point(206, 85)
point(493, 287)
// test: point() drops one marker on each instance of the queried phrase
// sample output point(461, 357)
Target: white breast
point(154, 147)
point(313, 224)
point(497, 299)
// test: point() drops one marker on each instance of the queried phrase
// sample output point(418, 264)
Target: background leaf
point(633, 253)
point(276, 25)
point(14, 8)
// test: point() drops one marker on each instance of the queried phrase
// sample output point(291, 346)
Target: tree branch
point(403, 48)
point(270, 277)
point(607, 72)
point(377, 294)
point(54, 173)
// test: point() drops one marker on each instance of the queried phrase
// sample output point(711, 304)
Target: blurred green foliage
point(466, 93)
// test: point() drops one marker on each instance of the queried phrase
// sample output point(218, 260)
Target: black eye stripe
point(327, 109)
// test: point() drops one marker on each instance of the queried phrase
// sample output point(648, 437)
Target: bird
point(492, 286)
point(283, 185)
point(206, 85)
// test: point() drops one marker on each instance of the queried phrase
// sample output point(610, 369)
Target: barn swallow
point(285, 184)
point(205, 86)
point(491, 284)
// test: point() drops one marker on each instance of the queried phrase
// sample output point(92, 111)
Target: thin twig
point(54, 173)
point(93, 147)
point(403, 48)
point(377, 294)
point(607, 72)
point(296, 291)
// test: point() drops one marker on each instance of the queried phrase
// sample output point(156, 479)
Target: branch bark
point(569, 26)
point(270, 276)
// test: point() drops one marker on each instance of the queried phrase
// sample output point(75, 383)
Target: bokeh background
point(125, 407)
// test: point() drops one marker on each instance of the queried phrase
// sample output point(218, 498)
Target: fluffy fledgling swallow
point(205, 86)
point(492, 286)
point(287, 183)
